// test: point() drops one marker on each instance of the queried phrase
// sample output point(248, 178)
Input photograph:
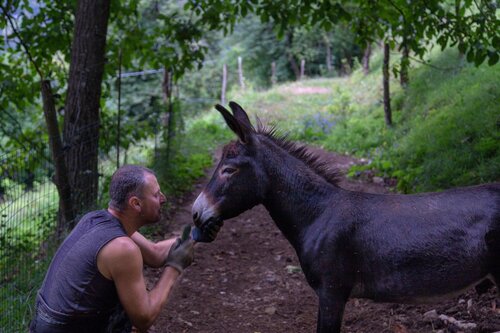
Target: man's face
point(152, 200)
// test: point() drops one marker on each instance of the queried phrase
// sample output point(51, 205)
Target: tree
point(81, 111)
point(385, 83)
point(366, 58)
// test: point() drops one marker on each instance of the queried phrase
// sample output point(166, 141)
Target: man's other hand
point(181, 254)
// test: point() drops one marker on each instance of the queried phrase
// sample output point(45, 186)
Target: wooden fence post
point(273, 73)
point(302, 69)
point(240, 73)
point(224, 83)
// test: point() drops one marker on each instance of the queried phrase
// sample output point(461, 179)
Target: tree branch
point(26, 49)
point(445, 69)
point(398, 9)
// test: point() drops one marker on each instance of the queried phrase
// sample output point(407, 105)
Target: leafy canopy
point(472, 25)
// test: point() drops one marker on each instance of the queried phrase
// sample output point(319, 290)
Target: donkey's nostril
point(195, 216)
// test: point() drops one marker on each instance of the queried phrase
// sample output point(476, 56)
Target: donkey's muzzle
point(208, 231)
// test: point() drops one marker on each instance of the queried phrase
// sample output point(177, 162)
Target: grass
point(17, 297)
point(450, 135)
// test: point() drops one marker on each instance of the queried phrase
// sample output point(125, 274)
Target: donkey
point(385, 247)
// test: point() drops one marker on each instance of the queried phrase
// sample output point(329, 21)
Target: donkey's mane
point(320, 166)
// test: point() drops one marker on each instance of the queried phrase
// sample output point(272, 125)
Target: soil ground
point(249, 280)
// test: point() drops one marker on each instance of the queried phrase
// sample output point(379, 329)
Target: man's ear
point(135, 203)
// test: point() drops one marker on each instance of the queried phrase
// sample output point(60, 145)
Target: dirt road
point(249, 281)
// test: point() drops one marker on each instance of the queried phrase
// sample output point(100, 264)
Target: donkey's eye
point(229, 170)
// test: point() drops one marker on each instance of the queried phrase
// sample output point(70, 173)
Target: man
point(100, 263)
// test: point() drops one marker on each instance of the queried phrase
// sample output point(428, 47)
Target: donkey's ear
point(234, 124)
point(241, 115)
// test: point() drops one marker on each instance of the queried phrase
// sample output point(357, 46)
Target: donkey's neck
point(296, 195)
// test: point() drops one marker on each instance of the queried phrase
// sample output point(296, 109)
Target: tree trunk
point(295, 67)
point(387, 97)
point(66, 213)
point(349, 63)
point(119, 116)
point(81, 120)
point(167, 90)
point(366, 58)
point(405, 63)
point(291, 58)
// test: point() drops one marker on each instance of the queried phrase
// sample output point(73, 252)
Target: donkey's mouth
point(205, 225)
point(200, 222)
point(208, 230)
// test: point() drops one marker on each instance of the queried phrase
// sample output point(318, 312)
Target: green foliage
point(446, 133)
point(472, 25)
point(141, 112)
point(451, 133)
point(191, 155)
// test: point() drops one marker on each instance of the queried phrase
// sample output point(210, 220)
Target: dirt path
point(249, 281)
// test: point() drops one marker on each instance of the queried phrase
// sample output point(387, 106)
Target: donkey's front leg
point(331, 309)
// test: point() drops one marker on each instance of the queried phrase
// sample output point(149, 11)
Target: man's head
point(134, 189)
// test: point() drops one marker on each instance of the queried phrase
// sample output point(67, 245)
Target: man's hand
point(181, 254)
point(209, 231)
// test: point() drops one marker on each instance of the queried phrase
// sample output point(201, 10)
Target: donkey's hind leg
point(493, 243)
point(484, 286)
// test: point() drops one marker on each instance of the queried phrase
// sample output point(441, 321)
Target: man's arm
point(121, 260)
point(154, 254)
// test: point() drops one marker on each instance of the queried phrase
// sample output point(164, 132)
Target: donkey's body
point(396, 248)
point(399, 248)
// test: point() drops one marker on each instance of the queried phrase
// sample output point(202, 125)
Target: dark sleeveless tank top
point(73, 285)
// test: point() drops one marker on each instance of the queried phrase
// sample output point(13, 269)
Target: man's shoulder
point(120, 255)
point(119, 251)
point(123, 244)
point(93, 213)
point(101, 222)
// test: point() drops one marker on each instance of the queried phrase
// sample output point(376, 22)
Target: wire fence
point(28, 212)
point(29, 204)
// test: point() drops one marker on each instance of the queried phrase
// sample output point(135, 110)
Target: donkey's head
point(239, 182)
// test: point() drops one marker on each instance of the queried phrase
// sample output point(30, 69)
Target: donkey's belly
point(410, 296)
point(402, 288)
